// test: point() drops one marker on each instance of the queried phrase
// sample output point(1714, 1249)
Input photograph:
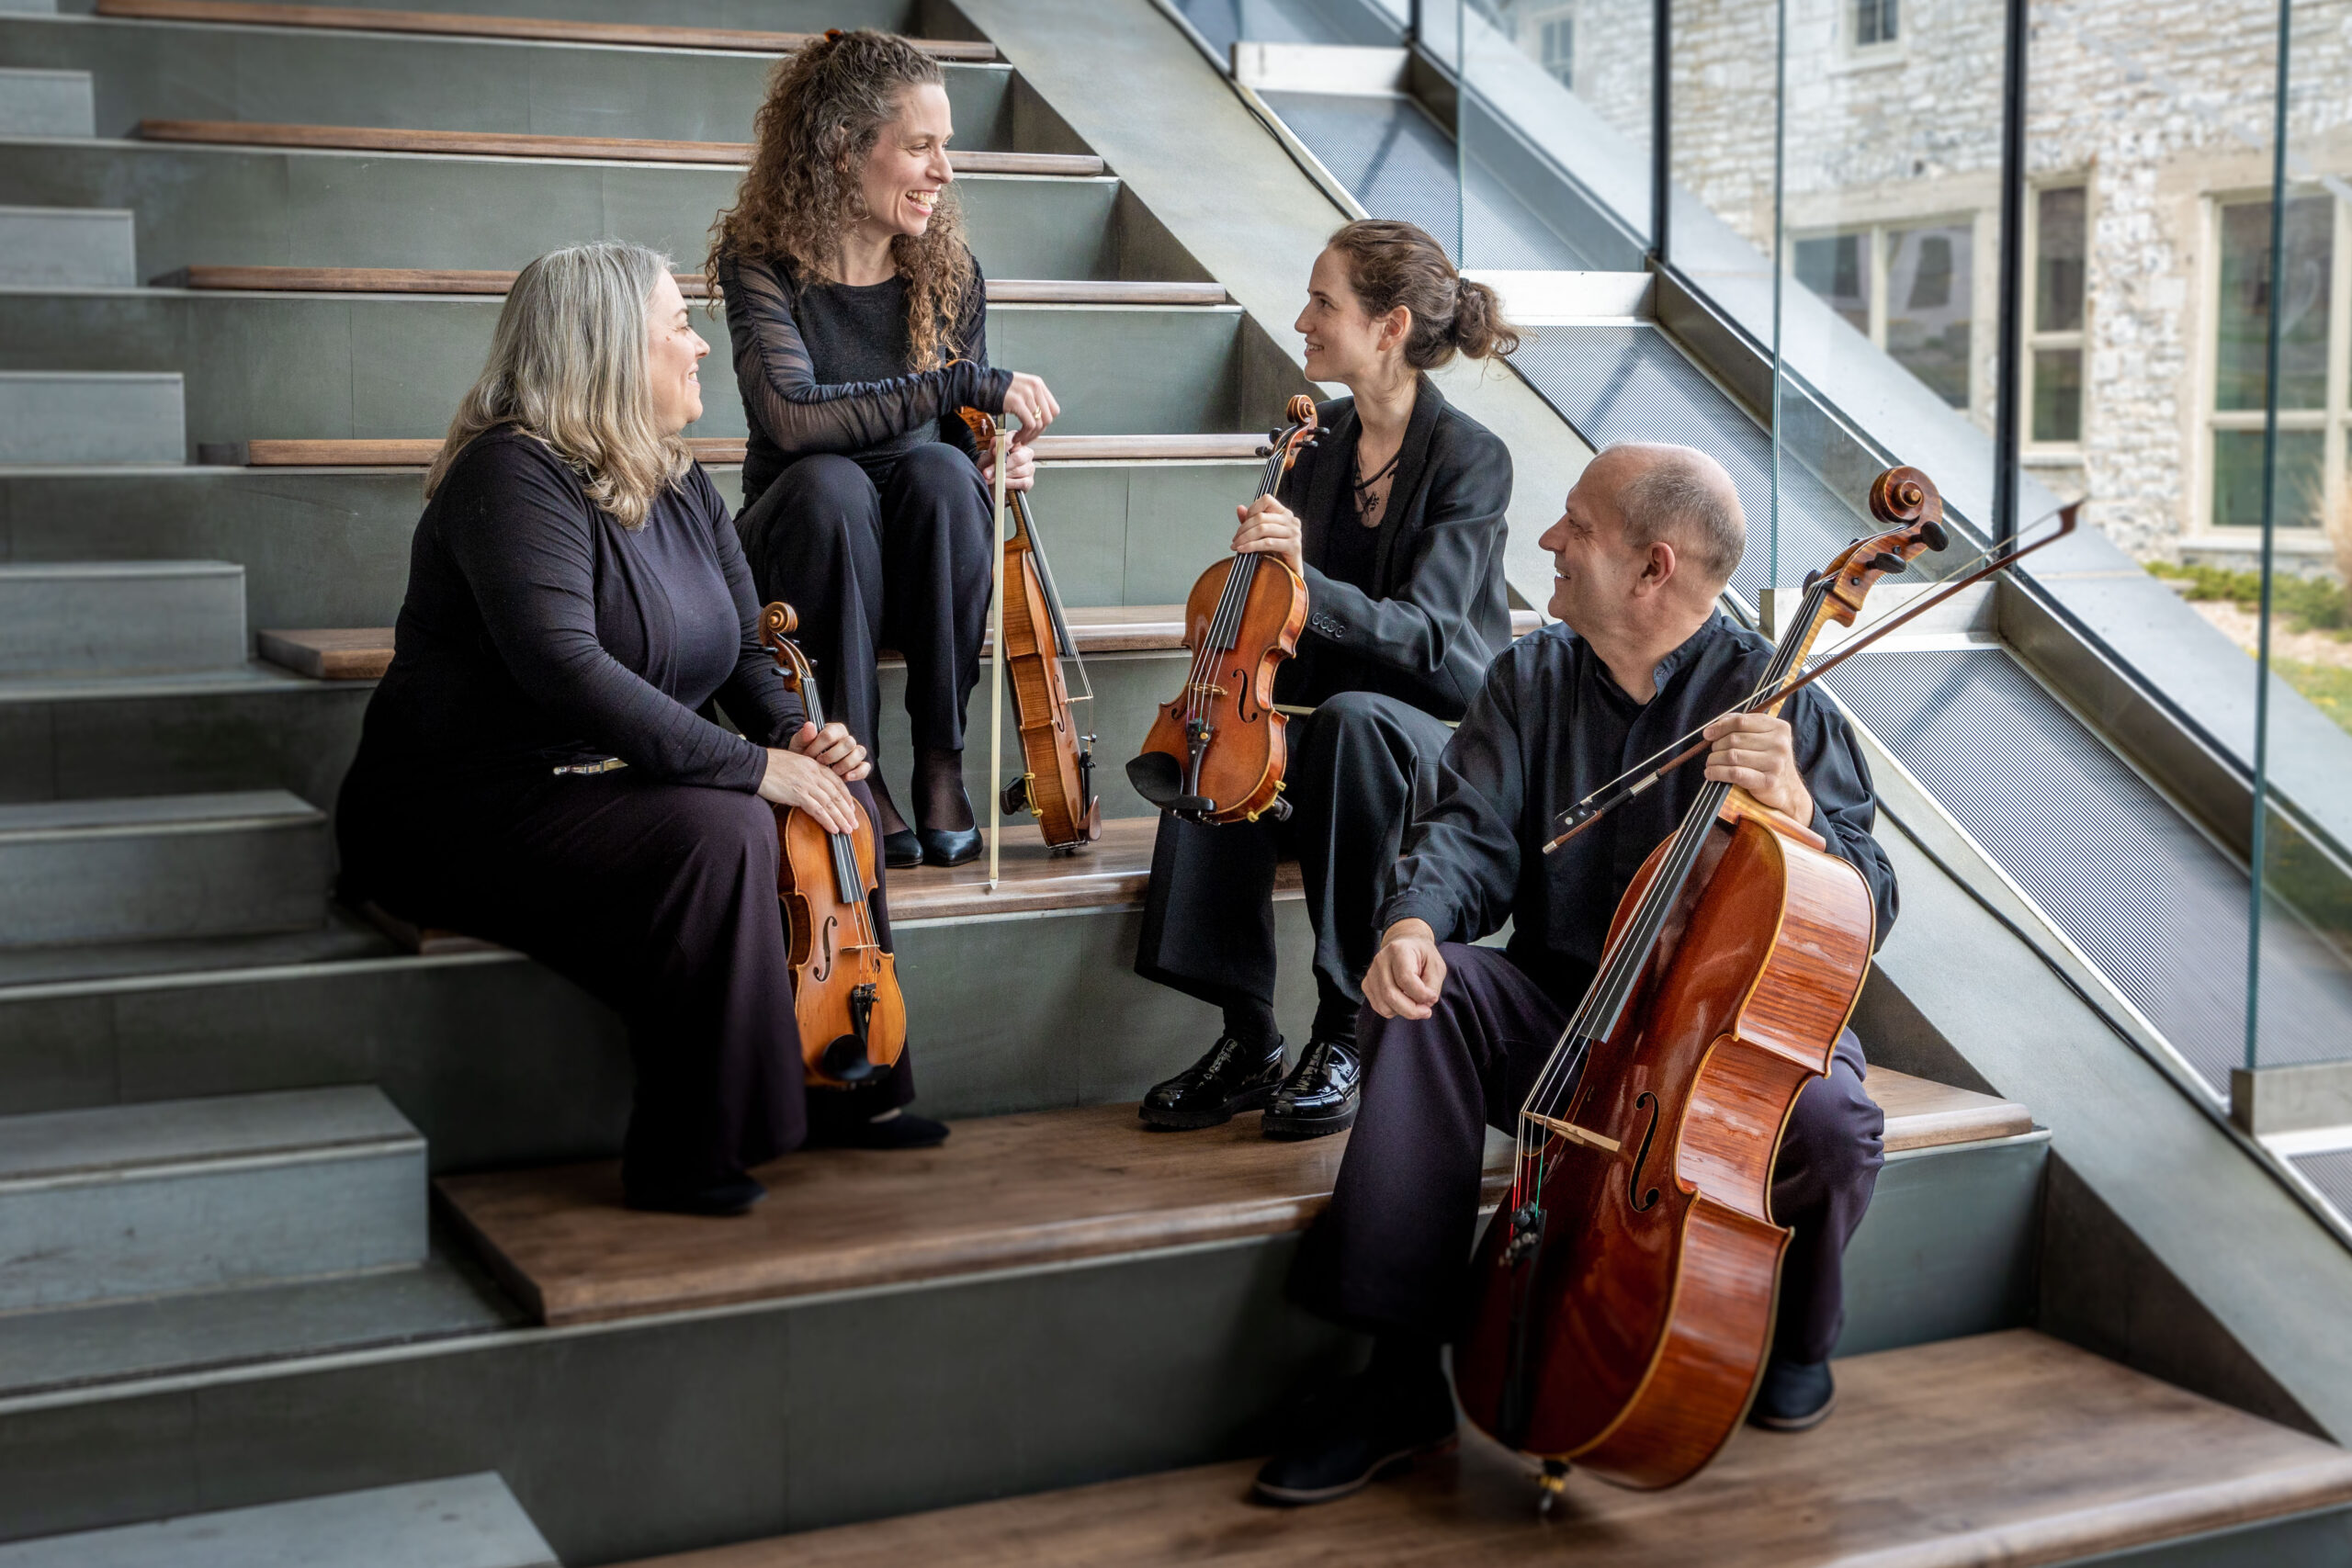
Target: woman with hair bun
point(536, 768)
point(1398, 532)
point(859, 325)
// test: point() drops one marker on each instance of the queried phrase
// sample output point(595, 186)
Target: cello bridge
point(1577, 1135)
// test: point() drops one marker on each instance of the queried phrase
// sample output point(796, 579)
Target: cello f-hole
point(1643, 1201)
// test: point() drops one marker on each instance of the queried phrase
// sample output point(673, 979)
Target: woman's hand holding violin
point(1030, 404)
point(1269, 528)
point(809, 776)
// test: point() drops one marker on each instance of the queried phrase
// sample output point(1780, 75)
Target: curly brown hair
point(826, 106)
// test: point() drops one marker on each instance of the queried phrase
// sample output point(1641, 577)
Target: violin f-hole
point(1241, 678)
point(824, 969)
point(1643, 1201)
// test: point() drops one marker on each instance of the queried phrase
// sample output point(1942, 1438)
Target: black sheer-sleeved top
point(1548, 727)
point(1417, 610)
point(538, 634)
point(827, 367)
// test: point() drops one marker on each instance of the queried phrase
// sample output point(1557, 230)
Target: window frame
point(1875, 256)
point(2030, 339)
point(2333, 419)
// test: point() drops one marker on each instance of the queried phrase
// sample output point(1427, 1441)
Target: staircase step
point(530, 30)
point(1003, 1192)
point(466, 1521)
point(55, 417)
point(66, 247)
point(120, 617)
point(290, 207)
point(201, 1194)
point(162, 866)
point(2009, 1448)
point(693, 286)
point(419, 452)
point(47, 103)
point(512, 145)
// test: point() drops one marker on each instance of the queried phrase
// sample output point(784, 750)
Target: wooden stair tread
point(693, 285)
point(1113, 870)
point(527, 29)
point(526, 145)
point(1922, 1113)
point(1003, 1192)
point(418, 452)
point(2008, 1449)
point(363, 654)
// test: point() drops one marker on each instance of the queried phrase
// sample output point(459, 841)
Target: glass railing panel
point(2289, 306)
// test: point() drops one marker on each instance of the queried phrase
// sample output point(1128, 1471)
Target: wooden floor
point(2007, 1449)
point(1004, 1192)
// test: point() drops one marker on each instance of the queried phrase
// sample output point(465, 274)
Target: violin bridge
point(1577, 1135)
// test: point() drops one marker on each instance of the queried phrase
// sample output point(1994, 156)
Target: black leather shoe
point(1794, 1396)
point(904, 1131)
point(1231, 1078)
point(1320, 1097)
point(950, 846)
point(1362, 1430)
point(901, 849)
point(720, 1200)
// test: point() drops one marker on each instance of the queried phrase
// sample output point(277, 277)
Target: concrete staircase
point(220, 1096)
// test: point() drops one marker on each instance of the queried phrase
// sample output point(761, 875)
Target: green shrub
point(2305, 603)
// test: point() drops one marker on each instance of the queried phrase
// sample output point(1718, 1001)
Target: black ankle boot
point(1319, 1096)
point(1793, 1396)
point(1232, 1078)
point(1366, 1427)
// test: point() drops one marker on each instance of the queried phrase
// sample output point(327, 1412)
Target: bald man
point(1454, 1034)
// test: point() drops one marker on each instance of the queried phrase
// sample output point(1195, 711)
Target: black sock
point(1251, 1022)
point(1335, 1013)
point(939, 790)
point(887, 819)
point(1402, 1360)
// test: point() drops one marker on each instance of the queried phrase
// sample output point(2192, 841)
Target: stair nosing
point(377, 1146)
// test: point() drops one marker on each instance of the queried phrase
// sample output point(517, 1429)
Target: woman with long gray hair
point(859, 325)
point(536, 769)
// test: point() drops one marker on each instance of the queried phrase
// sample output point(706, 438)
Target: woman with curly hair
point(858, 322)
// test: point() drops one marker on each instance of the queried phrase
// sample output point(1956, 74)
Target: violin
point(1057, 783)
point(844, 982)
point(1624, 1291)
point(1215, 753)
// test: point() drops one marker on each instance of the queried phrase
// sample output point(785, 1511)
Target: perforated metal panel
point(2332, 1174)
point(2148, 898)
point(1399, 163)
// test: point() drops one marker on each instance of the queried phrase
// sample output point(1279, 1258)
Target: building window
point(1559, 49)
point(2057, 240)
point(1875, 21)
point(2312, 370)
point(1910, 289)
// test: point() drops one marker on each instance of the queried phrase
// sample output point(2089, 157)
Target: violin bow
point(1642, 775)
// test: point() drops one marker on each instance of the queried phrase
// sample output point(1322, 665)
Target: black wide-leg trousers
point(891, 555)
point(660, 900)
point(1357, 765)
point(1392, 1251)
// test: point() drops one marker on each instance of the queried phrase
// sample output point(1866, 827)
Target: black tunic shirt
point(1549, 727)
point(539, 633)
point(827, 367)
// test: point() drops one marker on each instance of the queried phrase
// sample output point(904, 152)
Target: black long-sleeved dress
point(1402, 621)
point(861, 500)
point(538, 635)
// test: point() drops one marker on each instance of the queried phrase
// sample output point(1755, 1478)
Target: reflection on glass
point(1831, 265)
point(2243, 310)
point(1928, 295)
point(2237, 478)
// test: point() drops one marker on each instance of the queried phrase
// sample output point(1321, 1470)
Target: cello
point(844, 982)
point(1057, 783)
point(1624, 1290)
point(1215, 753)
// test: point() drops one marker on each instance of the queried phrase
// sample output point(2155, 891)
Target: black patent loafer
point(901, 849)
point(950, 846)
point(1320, 1097)
point(1357, 1434)
point(1794, 1396)
point(1231, 1078)
point(719, 1201)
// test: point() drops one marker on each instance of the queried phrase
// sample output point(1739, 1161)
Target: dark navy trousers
point(1392, 1251)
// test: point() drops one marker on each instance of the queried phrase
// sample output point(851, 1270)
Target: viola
point(1057, 783)
point(1216, 753)
point(1624, 1291)
point(844, 982)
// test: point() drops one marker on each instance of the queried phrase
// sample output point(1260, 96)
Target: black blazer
point(1439, 614)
